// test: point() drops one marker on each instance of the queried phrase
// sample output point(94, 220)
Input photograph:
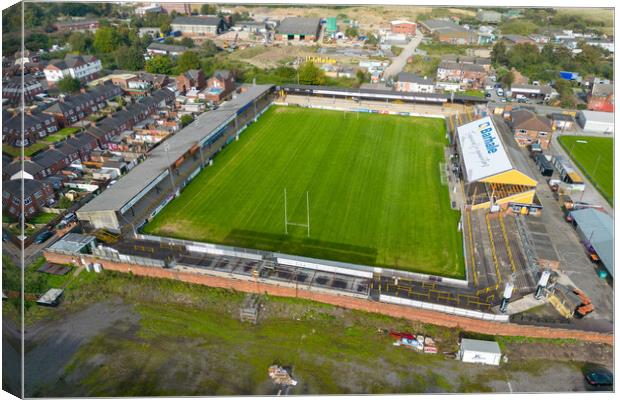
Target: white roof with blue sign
point(483, 151)
point(597, 227)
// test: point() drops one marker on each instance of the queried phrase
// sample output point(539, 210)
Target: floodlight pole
point(285, 218)
point(308, 210)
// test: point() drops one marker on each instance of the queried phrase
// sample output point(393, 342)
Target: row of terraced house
point(43, 168)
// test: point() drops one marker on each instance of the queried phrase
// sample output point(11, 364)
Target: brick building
point(194, 78)
point(36, 194)
point(36, 126)
point(403, 26)
point(219, 86)
point(470, 75)
point(530, 128)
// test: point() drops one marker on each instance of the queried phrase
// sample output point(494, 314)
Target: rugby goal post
point(287, 222)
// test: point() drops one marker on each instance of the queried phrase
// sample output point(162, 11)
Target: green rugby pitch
point(595, 158)
point(374, 184)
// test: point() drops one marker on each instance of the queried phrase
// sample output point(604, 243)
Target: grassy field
point(165, 337)
point(374, 185)
point(595, 159)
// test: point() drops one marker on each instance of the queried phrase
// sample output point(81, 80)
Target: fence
point(445, 309)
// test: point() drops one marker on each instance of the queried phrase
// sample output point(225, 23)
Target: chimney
point(82, 90)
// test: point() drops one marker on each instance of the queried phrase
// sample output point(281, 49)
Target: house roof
point(413, 78)
point(602, 89)
point(30, 167)
point(203, 21)
point(517, 38)
point(299, 26)
point(14, 187)
point(48, 158)
point(525, 119)
point(172, 48)
point(461, 66)
point(598, 228)
point(561, 117)
point(546, 89)
point(434, 24)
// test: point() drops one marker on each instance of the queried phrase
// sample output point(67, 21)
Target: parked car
point(43, 236)
point(500, 91)
point(599, 377)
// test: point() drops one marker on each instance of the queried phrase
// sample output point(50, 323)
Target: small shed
point(479, 351)
point(51, 297)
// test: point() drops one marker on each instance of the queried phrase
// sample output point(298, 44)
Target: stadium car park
point(509, 182)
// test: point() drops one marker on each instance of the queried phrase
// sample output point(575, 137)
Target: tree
point(187, 42)
point(129, 58)
point(106, 40)
point(498, 54)
point(351, 32)
point(208, 9)
point(69, 84)
point(37, 41)
point(508, 79)
point(165, 28)
point(159, 65)
point(208, 48)
point(188, 60)
point(169, 40)
point(186, 120)
point(361, 76)
point(310, 74)
point(372, 39)
point(81, 42)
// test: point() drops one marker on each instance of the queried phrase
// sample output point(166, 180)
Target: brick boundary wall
point(392, 310)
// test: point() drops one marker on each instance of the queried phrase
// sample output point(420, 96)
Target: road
point(398, 63)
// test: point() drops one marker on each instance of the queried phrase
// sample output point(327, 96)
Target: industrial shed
point(596, 121)
point(479, 352)
point(596, 230)
point(493, 169)
point(299, 29)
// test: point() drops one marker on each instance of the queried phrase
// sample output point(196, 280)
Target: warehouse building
point(149, 186)
point(596, 230)
point(596, 121)
point(299, 30)
point(199, 26)
point(495, 172)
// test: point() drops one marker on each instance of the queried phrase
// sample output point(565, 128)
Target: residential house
point(71, 109)
point(77, 26)
point(413, 83)
point(511, 40)
point(12, 89)
point(29, 170)
point(540, 39)
point(192, 79)
point(200, 26)
point(53, 161)
point(36, 194)
point(562, 122)
point(530, 128)
point(153, 8)
point(85, 144)
point(84, 68)
point(219, 86)
point(161, 49)
point(297, 29)
point(469, 75)
point(403, 27)
point(36, 126)
point(179, 8)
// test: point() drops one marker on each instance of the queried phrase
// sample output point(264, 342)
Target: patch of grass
point(436, 48)
point(374, 187)
point(61, 135)
point(471, 92)
point(43, 218)
point(594, 159)
point(28, 151)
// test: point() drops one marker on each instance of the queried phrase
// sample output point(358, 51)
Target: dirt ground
point(160, 340)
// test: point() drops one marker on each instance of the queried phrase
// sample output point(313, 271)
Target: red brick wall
point(393, 310)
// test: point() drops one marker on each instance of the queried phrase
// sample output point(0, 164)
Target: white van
point(500, 91)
